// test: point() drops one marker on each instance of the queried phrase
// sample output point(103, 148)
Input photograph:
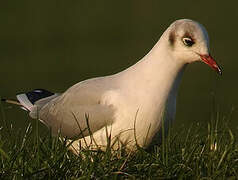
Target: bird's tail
point(33, 101)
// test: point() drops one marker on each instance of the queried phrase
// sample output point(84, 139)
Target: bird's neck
point(157, 73)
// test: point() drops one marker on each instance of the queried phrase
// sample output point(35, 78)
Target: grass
point(190, 154)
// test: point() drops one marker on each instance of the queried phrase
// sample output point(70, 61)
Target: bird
point(130, 108)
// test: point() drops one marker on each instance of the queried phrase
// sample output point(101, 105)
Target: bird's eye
point(188, 41)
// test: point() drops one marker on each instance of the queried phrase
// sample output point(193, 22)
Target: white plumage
point(128, 107)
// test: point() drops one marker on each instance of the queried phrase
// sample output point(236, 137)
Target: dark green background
point(55, 44)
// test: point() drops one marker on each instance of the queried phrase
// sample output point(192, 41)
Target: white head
point(189, 42)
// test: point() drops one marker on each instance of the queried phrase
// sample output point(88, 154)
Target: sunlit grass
point(191, 153)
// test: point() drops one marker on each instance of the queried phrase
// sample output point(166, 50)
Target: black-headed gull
point(127, 107)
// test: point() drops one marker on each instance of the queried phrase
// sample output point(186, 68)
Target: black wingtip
point(37, 94)
point(4, 100)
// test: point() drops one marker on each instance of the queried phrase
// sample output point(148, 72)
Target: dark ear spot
point(172, 38)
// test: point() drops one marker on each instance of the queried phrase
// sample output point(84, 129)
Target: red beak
point(211, 62)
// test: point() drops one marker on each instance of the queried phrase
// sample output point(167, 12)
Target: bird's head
point(189, 42)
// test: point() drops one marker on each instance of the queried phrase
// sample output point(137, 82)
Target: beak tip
point(219, 71)
point(207, 59)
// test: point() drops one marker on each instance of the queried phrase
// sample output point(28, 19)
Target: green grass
point(195, 153)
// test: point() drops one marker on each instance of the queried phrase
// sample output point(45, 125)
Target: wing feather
point(78, 110)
